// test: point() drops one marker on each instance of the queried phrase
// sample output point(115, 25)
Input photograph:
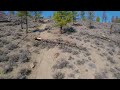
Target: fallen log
point(71, 45)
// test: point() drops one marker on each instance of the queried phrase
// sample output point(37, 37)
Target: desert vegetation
point(60, 47)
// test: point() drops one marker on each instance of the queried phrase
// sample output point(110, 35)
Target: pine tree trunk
point(73, 22)
point(26, 23)
point(61, 29)
point(90, 25)
point(21, 23)
point(111, 29)
point(35, 19)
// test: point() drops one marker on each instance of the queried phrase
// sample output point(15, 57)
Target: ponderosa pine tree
point(91, 16)
point(62, 18)
point(116, 19)
point(113, 19)
point(20, 14)
point(23, 14)
point(98, 19)
point(82, 15)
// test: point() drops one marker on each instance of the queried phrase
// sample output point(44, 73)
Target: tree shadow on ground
point(92, 27)
point(69, 30)
point(77, 24)
point(41, 30)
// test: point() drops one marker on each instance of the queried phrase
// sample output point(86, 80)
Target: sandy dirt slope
point(94, 65)
point(98, 58)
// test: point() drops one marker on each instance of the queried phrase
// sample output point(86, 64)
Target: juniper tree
point(91, 16)
point(82, 15)
point(62, 18)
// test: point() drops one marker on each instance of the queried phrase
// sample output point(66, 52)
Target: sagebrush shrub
point(1, 52)
point(4, 41)
point(12, 46)
point(79, 62)
point(24, 56)
point(6, 77)
point(110, 52)
point(14, 57)
point(117, 75)
point(36, 43)
point(25, 71)
point(111, 59)
point(7, 69)
point(8, 34)
point(19, 76)
point(58, 75)
point(3, 58)
point(75, 52)
point(1, 35)
point(5, 52)
point(101, 75)
point(1, 44)
point(17, 36)
point(87, 53)
point(61, 65)
point(71, 75)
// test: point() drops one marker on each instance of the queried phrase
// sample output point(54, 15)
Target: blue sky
point(109, 14)
point(98, 13)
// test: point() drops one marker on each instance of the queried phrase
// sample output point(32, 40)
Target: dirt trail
point(45, 61)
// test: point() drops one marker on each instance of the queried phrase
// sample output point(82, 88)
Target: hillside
point(82, 53)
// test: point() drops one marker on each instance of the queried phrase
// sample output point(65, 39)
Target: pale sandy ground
point(93, 66)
